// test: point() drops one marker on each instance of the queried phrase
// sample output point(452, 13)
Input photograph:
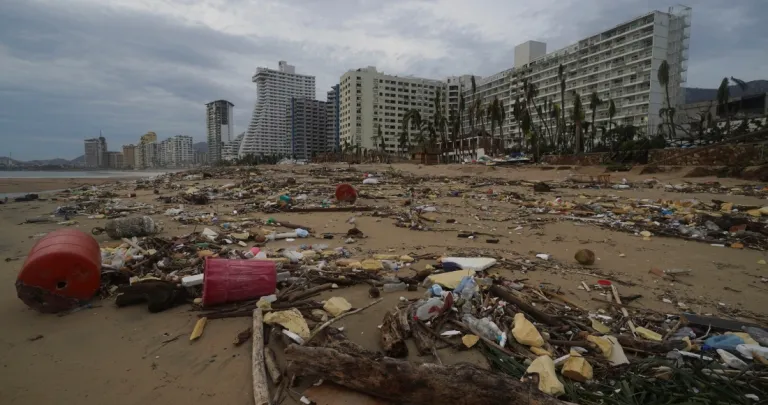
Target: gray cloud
point(70, 69)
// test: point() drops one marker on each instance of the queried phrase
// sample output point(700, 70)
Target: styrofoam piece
point(471, 263)
point(191, 281)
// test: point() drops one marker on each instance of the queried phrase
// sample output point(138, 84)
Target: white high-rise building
point(369, 99)
point(96, 152)
point(268, 131)
point(180, 152)
point(332, 118)
point(619, 64)
point(231, 149)
point(456, 85)
point(220, 127)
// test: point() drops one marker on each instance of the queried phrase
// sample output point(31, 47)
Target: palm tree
point(594, 103)
point(723, 94)
point(577, 115)
point(413, 117)
point(531, 91)
point(472, 106)
point(454, 127)
point(502, 116)
point(440, 123)
point(611, 114)
point(561, 78)
point(493, 118)
point(462, 107)
point(402, 141)
point(663, 76)
point(377, 137)
point(517, 115)
point(382, 141)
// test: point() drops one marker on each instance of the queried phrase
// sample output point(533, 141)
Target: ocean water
point(91, 174)
point(82, 174)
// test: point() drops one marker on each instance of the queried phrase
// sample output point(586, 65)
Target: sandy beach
point(108, 355)
point(30, 185)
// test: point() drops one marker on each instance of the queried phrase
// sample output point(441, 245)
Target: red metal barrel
point(345, 192)
point(62, 270)
point(229, 280)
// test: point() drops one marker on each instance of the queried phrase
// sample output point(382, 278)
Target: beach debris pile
point(537, 337)
point(542, 344)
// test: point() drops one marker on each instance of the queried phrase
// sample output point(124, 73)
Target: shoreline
point(15, 186)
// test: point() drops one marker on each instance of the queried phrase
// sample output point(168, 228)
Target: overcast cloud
point(70, 68)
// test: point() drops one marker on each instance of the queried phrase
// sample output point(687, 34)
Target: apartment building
point(307, 122)
point(332, 118)
point(176, 151)
point(219, 127)
point(620, 64)
point(231, 149)
point(147, 152)
point(268, 132)
point(148, 155)
point(369, 99)
point(96, 152)
point(115, 160)
point(455, 86)
point(129, 156)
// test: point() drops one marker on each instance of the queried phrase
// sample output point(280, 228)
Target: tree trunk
point(258, 371)
point(406, 383)
point(392, 340)
point(525, 307)
point(424, 341)
point(309, 292)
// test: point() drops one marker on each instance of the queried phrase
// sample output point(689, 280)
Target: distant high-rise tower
point(332, 118)
point(308, 131)
point(268, 131)
point(220, 125)
point(96, 152)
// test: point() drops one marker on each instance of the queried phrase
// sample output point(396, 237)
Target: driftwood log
point(309, 292)
point(406, 383)
point(270, 360)
point(258, 371)
point(649, 346)
point(423, 340)
point(536, 313)
point(402, 322)
point(392, 339)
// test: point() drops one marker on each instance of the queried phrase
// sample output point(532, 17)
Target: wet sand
point(27, 185)
point(109, 355)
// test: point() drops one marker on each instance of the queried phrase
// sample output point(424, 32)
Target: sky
point(70, 69)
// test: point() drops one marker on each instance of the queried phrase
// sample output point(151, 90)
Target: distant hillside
point(48, 162)
point(696, 94)
point(200, 147)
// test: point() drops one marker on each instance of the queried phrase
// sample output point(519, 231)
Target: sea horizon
point(80, 174)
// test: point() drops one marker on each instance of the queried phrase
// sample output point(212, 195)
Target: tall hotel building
point(268, 132)
point(219, 126)
point(369, 99)
point(620, 63)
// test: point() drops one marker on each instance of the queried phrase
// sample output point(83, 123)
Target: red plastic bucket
point(62, 270)
point(229, 280)
point(345, 192)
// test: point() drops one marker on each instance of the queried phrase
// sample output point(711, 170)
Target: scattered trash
point(337, 306)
